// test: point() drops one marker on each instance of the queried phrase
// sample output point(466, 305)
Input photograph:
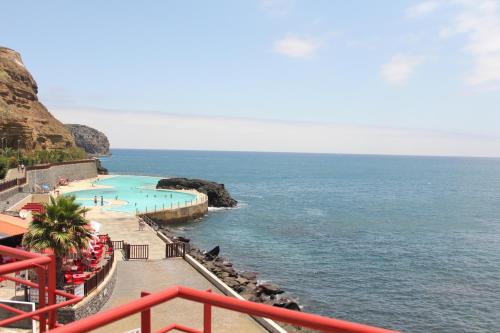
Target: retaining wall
point(51, 174)
point(164, 217)
point(93, 302)
point(6, 195)
point(39, 198)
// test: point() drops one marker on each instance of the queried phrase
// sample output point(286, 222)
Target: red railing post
point(41, 297)
point(145, 317)
point(51, 284)
point(207, 316)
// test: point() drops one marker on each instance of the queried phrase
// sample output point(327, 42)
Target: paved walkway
point(14, 174)
point(158, 274)
point(151, 276)
point(122, 226)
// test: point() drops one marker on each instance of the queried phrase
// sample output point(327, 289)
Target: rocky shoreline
point(244, 283)
point(217, 194)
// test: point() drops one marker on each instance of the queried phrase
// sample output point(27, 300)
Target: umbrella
point(95, 225)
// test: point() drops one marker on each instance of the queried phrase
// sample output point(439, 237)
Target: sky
point(414, 77)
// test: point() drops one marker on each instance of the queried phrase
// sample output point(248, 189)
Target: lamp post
point(3, 147)
point(18, 143)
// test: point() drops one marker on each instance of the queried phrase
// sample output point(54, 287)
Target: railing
point(208, 299)
point(176, 249)
point(135, 251)
point(8, 184)
point(203, 198)
point(92, 283)
point(45, 268)
point(48, 165)
point(117, 245)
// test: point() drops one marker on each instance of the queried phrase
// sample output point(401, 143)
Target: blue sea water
point(408, 243)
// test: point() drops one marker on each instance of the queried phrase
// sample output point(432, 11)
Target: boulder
point(287, 304)
point(218, 196)
point(100, 169)
point(249, 275)
point(213, 253)
point(269, 289)
point(182, 239)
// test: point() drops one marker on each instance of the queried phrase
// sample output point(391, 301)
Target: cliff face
point(94, 142)
point(22, 116)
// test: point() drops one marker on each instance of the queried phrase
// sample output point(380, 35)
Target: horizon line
point(307, 153)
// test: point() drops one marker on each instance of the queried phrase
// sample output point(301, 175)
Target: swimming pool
point(138, 193)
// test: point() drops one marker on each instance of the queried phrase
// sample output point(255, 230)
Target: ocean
point(407, 243)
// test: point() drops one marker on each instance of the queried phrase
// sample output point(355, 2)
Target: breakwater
point(188, 211)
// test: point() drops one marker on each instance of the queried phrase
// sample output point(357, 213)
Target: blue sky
point(428, 68)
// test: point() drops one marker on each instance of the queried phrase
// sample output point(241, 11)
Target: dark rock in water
point(269, 289)
point(213, 253)
point(100, 169)
point(288, 304)
point(218, 196)
point(182, 239)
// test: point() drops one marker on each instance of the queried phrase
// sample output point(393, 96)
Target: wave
point(220, 209)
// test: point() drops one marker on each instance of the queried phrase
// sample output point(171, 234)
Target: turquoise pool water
point(138, 191)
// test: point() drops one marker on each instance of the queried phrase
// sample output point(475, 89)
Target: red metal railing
point(45, 267)
point(145, 303)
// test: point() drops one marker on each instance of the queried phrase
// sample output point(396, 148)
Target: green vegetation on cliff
point(9, 157)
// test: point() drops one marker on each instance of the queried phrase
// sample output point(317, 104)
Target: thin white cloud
point(400, 68)
point(423, 8)
point(169, 131)
point(277, 7)
point(297, 47)
point(479, 22)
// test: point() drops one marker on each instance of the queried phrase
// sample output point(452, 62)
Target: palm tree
point(62, 228)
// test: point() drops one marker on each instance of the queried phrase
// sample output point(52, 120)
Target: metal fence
point(8, 184)
point(96, 280)
point(117, 245)
point(177, 249)
point(135, 251)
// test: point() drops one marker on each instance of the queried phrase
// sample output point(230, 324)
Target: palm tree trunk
point(60, 281)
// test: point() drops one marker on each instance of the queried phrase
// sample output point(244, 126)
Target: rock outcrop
point(24, 121)
point(218, 196)
point(100, 169)
point(94, 142)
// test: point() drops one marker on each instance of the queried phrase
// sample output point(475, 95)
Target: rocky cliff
point(94, 142)
point(23, 119)
point(218, 196)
